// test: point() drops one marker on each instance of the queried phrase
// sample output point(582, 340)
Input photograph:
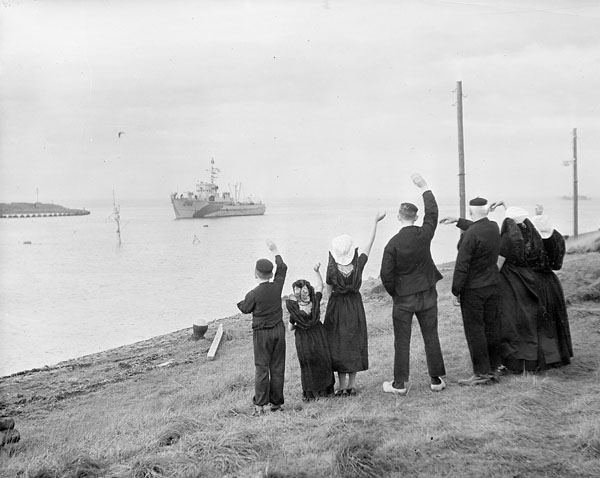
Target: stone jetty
point(37, 209)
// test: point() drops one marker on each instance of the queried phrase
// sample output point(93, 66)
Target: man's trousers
point(479, 309)
point(424, 305)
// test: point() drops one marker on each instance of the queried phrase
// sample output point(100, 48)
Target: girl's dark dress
point(345, 319)
point(313, 350)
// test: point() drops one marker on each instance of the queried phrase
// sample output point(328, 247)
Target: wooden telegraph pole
point(461, 151)
point(575, 186)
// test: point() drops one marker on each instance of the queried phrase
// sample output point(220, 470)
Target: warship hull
point(186, 208)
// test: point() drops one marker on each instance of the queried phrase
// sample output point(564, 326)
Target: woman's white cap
point(518, 214)
point(342, 249)
point(543, 224)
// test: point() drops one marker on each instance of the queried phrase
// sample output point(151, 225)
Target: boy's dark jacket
point(264, 301)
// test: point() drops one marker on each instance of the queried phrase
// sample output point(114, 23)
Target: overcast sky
point(295, 97)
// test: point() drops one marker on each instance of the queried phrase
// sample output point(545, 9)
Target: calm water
point(75, 291)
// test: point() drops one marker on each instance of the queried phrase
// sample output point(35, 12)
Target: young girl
point(345, 320)
point(311, 342)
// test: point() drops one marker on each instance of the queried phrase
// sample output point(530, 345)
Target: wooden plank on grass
point(215, 343)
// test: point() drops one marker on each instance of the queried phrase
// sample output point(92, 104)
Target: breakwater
point(37, 209)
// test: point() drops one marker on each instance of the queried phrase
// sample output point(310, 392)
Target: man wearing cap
point(268, 331)
point(410, 276)
point(475, 284)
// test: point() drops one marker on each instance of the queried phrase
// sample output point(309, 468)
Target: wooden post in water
point(461, 150)
point(117, 216)
point(575, 186)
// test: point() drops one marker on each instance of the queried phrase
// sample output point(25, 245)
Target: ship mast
point(213, 171)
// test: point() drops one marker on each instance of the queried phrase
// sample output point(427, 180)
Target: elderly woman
point(519, 305)
point(531, 309)
point(535, 329)
point(312, 348)
point(554, 330)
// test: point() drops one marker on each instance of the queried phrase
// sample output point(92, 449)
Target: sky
point(295, 98)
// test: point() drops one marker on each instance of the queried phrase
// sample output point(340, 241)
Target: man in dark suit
point(410, 276)
point(475, 284)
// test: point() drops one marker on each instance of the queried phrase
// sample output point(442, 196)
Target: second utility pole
point(461, 151)
point(575, 186)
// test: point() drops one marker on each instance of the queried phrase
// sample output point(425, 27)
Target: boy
point(268, 331)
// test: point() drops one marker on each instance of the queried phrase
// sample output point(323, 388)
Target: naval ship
point(207, 201)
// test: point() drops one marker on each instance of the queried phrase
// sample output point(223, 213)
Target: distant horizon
point(157, 200)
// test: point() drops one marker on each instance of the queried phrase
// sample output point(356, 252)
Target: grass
point(194, 419)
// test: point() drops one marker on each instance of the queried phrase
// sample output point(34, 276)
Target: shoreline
point(170, 397)
point(368, 286)
point(582, 244)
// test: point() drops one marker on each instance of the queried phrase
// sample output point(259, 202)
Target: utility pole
point(575, 186)
point(461, 150)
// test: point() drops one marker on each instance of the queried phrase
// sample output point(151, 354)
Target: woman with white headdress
point(554, 329)
point(345, 319)
point(519, 306)
point(532, 311)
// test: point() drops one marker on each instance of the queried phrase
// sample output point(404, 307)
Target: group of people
point(515, 320)
point(512, 304)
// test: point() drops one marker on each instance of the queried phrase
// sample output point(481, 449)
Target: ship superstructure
point(207, 201)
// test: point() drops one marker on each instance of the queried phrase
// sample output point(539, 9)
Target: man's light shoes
point(438, 387)
point(388, 387)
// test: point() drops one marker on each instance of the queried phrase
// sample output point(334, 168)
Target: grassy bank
point(160, 409)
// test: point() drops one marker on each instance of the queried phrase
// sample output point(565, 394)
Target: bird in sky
point(120, 133)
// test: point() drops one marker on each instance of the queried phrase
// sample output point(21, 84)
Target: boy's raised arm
point(272, 247)
point(281, 266)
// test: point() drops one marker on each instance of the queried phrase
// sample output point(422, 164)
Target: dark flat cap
point(408, 208)
point(264, 266)
point(478, 201)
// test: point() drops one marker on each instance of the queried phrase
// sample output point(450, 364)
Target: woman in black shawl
point(311, 341)
point(532, 313)
point(554, 328)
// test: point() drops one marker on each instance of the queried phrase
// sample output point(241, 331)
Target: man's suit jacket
point(407, 266)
